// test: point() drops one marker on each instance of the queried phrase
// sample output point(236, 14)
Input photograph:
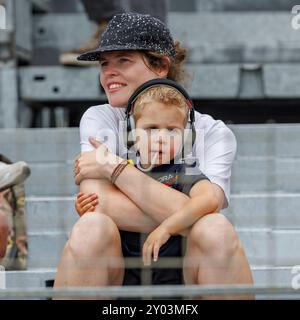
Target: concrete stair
point(264, 204)
point(264, 230)
point(53, 85)
point(37, 277)
point(249, 175)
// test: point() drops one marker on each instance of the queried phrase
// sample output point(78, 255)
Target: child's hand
point(155, 240)
point(85, 203)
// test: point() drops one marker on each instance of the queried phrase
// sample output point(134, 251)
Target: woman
point(136, 48)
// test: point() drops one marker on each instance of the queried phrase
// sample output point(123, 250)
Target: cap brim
point(95, 54)
point(90, 56)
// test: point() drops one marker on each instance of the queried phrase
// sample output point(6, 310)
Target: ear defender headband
point(129, 135)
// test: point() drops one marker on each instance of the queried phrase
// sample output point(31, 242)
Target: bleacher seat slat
point(209, 36)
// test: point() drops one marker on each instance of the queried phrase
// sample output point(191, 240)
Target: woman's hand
point(155, 240)
point(96, 164)
point(86, 203)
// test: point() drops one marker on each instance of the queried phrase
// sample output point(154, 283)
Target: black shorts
point(131, 247)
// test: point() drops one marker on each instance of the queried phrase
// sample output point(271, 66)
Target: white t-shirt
point(215, 144)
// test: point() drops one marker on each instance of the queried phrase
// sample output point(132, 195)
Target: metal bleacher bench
point(232, 55)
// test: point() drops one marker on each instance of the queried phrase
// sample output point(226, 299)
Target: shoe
point(13, 174)
point(70, 57)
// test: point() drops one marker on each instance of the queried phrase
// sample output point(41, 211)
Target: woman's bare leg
point(92, 255)
point(215, 255)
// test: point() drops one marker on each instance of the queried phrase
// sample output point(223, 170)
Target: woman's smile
point(115, 86)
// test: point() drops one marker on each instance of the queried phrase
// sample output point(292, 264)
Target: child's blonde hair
point(166, 95)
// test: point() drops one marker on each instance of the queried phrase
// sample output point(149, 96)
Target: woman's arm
point(118, 207)
point(152, 197)
point(157, 200)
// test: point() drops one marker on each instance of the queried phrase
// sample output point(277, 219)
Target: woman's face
point(122, 72)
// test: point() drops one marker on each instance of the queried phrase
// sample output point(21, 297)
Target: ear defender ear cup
point(188, 139)
point(131, 133)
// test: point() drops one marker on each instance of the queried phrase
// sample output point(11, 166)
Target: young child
point(158, 142)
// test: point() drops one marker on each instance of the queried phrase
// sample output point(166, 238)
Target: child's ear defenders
point(129, 130)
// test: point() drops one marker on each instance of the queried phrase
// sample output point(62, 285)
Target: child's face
point(159, 132)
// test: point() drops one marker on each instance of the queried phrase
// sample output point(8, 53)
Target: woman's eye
point(103, 64)
point(123, 60)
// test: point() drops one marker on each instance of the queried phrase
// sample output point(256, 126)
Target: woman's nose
point(109, 70)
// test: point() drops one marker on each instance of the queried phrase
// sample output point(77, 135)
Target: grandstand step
point(281, 80)
point(271, 247)
point(262, 246)
point(50, 214)
point(245, 5)
point(62, 144)
point(41, 5)
point(276, 211)
point(8, 96)
point(61, 30)
point(210, 81)
point(229, 36)
point(59, 84)
point(237, 36)
point(51, 179)
point(180, 6)
point(17, 35)
point(267, 140)
point(40, 145)
point(5, 37)
point(265, 175)
point(45, 249)
point(35, 278)
point(249, 175)
point(67, 84)
point(23, 27)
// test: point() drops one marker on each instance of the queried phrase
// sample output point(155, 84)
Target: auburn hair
point(177, 71)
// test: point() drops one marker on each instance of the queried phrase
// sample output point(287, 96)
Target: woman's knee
point(214, 235)
point(93, 233)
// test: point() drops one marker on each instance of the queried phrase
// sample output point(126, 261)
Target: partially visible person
point(100, 12)
point(13, 238)
point(13, 174)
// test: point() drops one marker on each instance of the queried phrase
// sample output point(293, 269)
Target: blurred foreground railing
point(159, 291)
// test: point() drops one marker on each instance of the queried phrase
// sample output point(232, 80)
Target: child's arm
point(202, 201)
point(85, 203)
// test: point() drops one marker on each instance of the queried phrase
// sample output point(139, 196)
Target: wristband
point(119, 168)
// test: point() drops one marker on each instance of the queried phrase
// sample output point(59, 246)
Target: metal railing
point(159, 291)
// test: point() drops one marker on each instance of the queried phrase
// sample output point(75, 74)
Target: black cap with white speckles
point(133, 31)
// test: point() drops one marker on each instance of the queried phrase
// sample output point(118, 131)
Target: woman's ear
point(163, 70)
